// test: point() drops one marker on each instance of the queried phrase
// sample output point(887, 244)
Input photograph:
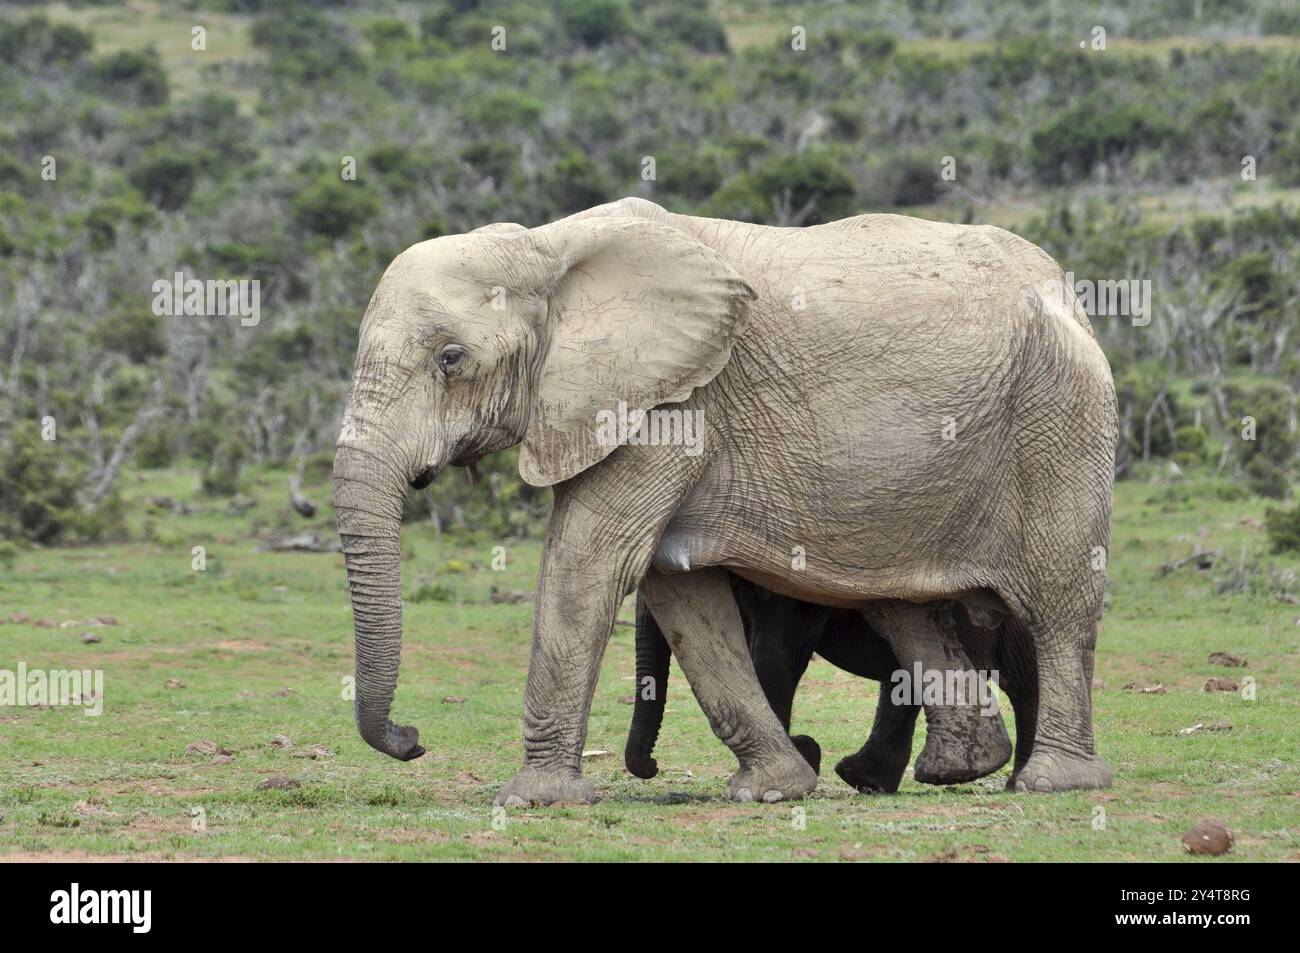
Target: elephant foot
point(533, 787)
point(961, 745)
point(1055, 770)
point(871, 773)
point(782, 781)
point(810, 749)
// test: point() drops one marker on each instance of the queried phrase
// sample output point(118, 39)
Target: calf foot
point(961, 744)
point(810, 749)
point(1050, 770)
point(785, 780)
point(873, 772)
point(533, 787)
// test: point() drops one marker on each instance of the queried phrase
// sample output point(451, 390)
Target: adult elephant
point(891, 412)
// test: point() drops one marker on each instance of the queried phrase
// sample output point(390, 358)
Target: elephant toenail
point(514, 800)
point(744, 794)
point(771, 797)
point(1043, 784)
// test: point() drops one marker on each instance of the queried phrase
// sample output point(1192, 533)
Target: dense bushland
point(246, 175)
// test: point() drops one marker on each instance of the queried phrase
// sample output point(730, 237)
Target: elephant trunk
point(652, 658)
point(370, 519)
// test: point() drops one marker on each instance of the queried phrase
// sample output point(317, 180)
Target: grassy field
point(259, 645)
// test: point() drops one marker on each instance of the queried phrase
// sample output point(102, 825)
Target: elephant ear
point(638, 312)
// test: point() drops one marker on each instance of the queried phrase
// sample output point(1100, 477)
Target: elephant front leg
point(571, 626)
point(698, 615)
point(880, 765)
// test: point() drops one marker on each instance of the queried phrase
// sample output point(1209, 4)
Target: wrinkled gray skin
point(782, 634)
point(919, 410)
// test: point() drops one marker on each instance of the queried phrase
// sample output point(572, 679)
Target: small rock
point(105, 620)
point(46, 624)
point(1227, 660)
point(224, 759)
point(201, 747)
point(315, 752)
point(173, 683)
point(90, 638)
point(1156, 689)
point(278, 783)
point(283, 692)
point(1208, 837)
point(280, 741)
point(19, 618)
point(1201, 726)
point(454, 700)
point(507, 596)
point(1220, 685)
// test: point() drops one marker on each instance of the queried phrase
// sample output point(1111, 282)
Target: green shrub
point(136, 333)
point(221, 477)
point(572, 184)
point(504, 111)
point(595, 22)
point(133, 74)
point(1267, 479)
point(37, 40)
point(1097, 129)
point(105, 218)
point(492, 158)
point(1283, 529)
point(431, 592)
point(304, 46)
point(40, 484)
point(693, 26)
point(1271, 406)
point(156, 448)
point(810, 177)
point(1280, 21)
point(166, 179)
point(1284, 161)
point(333, 208)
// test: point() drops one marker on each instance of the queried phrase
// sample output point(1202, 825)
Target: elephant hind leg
point(1061, 755)
point(698, 615)
point(965, 740)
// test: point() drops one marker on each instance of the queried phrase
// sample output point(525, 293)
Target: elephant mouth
point(424, 478)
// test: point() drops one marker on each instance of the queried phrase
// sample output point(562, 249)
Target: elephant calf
point(782, 634)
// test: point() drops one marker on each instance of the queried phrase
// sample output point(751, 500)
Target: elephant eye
point(450, 357)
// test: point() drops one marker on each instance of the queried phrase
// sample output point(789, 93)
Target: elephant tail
point(652, 658)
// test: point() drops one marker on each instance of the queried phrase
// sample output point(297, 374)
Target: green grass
point(261, 643)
